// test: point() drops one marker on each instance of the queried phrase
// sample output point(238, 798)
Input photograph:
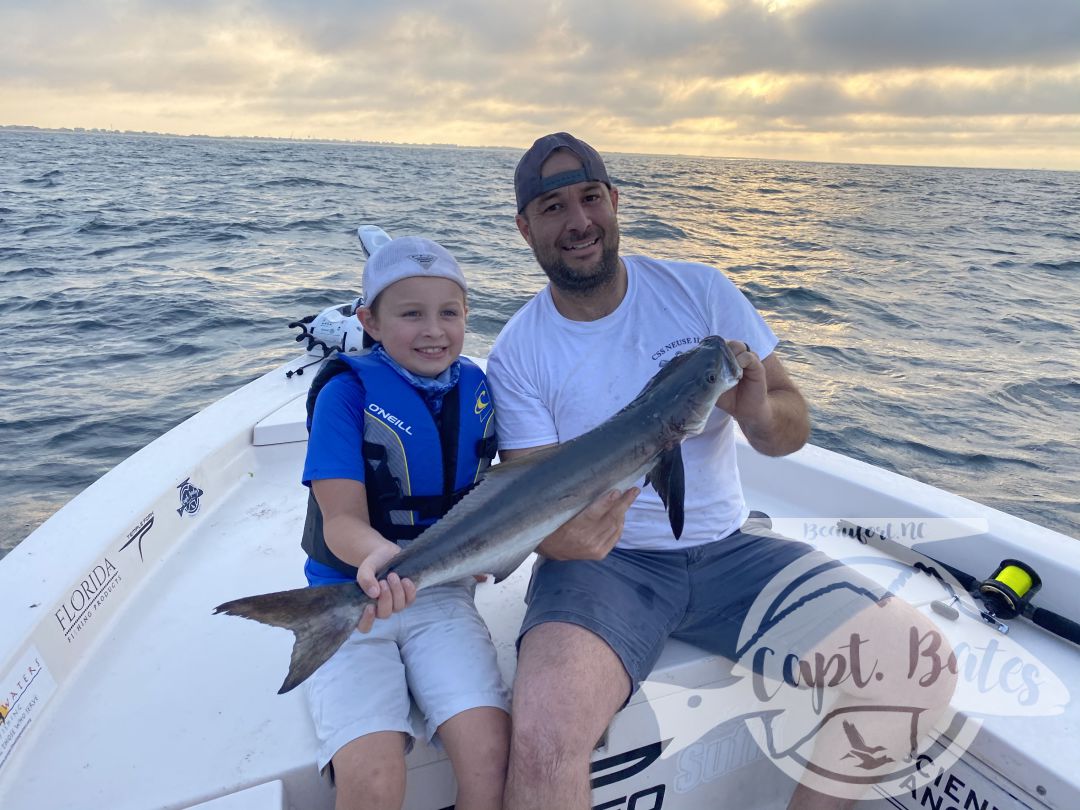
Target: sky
point(930, 82)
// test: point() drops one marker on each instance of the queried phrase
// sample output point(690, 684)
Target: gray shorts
point(636, 600)
point(437, 652)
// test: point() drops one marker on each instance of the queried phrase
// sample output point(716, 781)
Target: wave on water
point(651, 228)
point(801, 300)
point(302, 182)
point(47, 180)
point(28, 272)
point(1046, 392)
point(1068, 266)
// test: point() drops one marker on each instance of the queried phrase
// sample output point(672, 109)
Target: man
point(572, 357)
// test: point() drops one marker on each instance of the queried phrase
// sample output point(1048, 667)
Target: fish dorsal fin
point(669, 480)
point(523, 461)
point(661, 376)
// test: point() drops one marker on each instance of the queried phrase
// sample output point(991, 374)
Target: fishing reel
point(1007, 592)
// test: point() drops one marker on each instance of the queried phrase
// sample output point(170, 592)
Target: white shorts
point(438, 650)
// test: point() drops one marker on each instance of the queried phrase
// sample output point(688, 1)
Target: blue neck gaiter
point(432, 389)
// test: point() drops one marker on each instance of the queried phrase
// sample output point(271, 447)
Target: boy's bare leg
point(369, 772)
point(569, 685)
point(478, 743)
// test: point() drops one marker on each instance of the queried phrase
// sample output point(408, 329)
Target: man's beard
point(584, 281)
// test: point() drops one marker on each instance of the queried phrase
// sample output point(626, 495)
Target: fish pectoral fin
point(320, 620)
point(669, 480)
point(509, 565)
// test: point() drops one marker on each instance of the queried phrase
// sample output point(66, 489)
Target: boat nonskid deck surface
point(165, 705)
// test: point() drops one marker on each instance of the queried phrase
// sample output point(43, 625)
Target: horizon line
point(439, 145)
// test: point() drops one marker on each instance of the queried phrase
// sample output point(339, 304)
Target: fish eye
point(711, 378)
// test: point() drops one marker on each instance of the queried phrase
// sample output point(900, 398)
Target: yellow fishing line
point(1016, 578)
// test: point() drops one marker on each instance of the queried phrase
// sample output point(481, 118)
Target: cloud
point(626, 72)
point(865, 35)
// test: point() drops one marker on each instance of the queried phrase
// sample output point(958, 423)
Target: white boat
point(121, 690)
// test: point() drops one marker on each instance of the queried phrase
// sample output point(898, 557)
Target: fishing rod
point(1004, 595)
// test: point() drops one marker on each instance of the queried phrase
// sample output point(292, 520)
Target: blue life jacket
point(415, 467)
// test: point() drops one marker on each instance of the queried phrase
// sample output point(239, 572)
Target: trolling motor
point(335, 329)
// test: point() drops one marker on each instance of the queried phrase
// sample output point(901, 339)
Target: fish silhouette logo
point(189, 498)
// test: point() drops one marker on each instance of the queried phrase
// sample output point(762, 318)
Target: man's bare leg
point(568, 687)
point(886, 631)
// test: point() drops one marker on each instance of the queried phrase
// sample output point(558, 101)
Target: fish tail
point(320, 619)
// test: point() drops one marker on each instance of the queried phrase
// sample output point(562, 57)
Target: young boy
point(396, 436)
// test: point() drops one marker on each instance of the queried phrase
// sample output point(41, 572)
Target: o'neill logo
point(482, 402)
point(389, 417)
point(846, 678)
point(189, 498)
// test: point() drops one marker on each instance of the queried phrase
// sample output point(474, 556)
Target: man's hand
point(392, 594)
point(749, 400)
point(593, 531)
point(766, 404)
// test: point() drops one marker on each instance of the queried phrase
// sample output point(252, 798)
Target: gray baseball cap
point(528, 184)
point(406, 257)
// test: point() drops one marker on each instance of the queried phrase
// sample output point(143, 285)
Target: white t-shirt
point(553, 379)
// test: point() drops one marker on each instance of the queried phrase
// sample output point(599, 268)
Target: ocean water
point(930, 315)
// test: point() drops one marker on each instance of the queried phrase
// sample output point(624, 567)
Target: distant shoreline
point(201, 137)
point(514, 149)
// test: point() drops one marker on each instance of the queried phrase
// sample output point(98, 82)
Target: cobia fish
point(519, 503)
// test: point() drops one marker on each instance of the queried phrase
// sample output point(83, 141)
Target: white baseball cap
point(406, 257)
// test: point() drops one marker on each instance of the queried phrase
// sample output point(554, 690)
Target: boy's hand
point(392, 594)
